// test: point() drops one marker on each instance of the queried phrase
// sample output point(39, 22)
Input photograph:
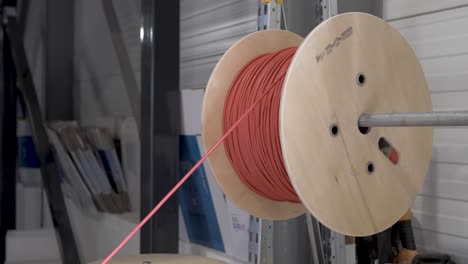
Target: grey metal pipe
point(449, 118)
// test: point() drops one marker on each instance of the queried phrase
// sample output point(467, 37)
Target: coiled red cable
point(254, 148)
point(278, 187)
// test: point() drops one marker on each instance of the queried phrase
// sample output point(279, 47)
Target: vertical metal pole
point(128, 76)
point(291, 243)
point(8, 148)
point(59, 103)
point(50, 179)
point(329, 9)
point(313, 226)
point(269, 15)
point(338, 248)
point(260, 241)
point(2, 112)
point(266, 242)
point(280, 241)
point(23, 15)
point(254, 244)
point(160, 122)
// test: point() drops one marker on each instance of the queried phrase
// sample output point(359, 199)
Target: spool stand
point(162, 258)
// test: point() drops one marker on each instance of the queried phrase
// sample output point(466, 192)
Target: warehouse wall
point(438, 32)
point(34, 45)
point(99, 87)
point(208, 29)
point(436, 29)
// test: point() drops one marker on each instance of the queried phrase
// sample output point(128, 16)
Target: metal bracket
point(260, 241)
point(269, 14)
point(266, 246)
point(254, 243)
point(329, 8)
point(338, 248)
point(327, 246)
point(316, 242)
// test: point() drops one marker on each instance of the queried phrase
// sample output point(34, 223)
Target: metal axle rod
point(449, 118)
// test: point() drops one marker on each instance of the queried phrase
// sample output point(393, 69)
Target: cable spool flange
point(351, 64)
point(162, 258)
point(229, 65)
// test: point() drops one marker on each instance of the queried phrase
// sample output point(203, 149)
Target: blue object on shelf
point(195, 199)
point(27, 153)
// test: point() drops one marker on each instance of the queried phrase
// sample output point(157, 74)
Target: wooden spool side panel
point(234, 59)
point(330, 173)
point(163, 259)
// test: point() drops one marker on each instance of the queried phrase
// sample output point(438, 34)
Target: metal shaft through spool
point(446, 118)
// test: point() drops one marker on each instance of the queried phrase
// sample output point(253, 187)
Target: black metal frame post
point(160, 122)
point(2, 112)
point(50, 179)
point(59, 103)
point(8, 148)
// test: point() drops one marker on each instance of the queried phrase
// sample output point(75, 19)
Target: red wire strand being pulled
point(190, 172)
point(267, 86)
point(254, 148)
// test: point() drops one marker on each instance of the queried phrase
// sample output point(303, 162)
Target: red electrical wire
point(254, 148)
point(267, 91)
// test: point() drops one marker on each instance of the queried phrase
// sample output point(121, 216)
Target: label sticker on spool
point(336, 42)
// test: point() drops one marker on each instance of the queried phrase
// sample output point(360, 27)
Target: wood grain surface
point(331, 172)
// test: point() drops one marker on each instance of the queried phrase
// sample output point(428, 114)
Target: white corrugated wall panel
point(34, 46)
point(99, 87)
point(208, 29)
point(438, 32)
point(397, 9)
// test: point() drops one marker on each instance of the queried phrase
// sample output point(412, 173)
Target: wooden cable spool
point(162, 258)
point(351, 64)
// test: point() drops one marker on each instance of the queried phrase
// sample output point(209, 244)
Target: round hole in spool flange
point(334, 130)
point(370, 167)
point(360, 79)
point(364, 130)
